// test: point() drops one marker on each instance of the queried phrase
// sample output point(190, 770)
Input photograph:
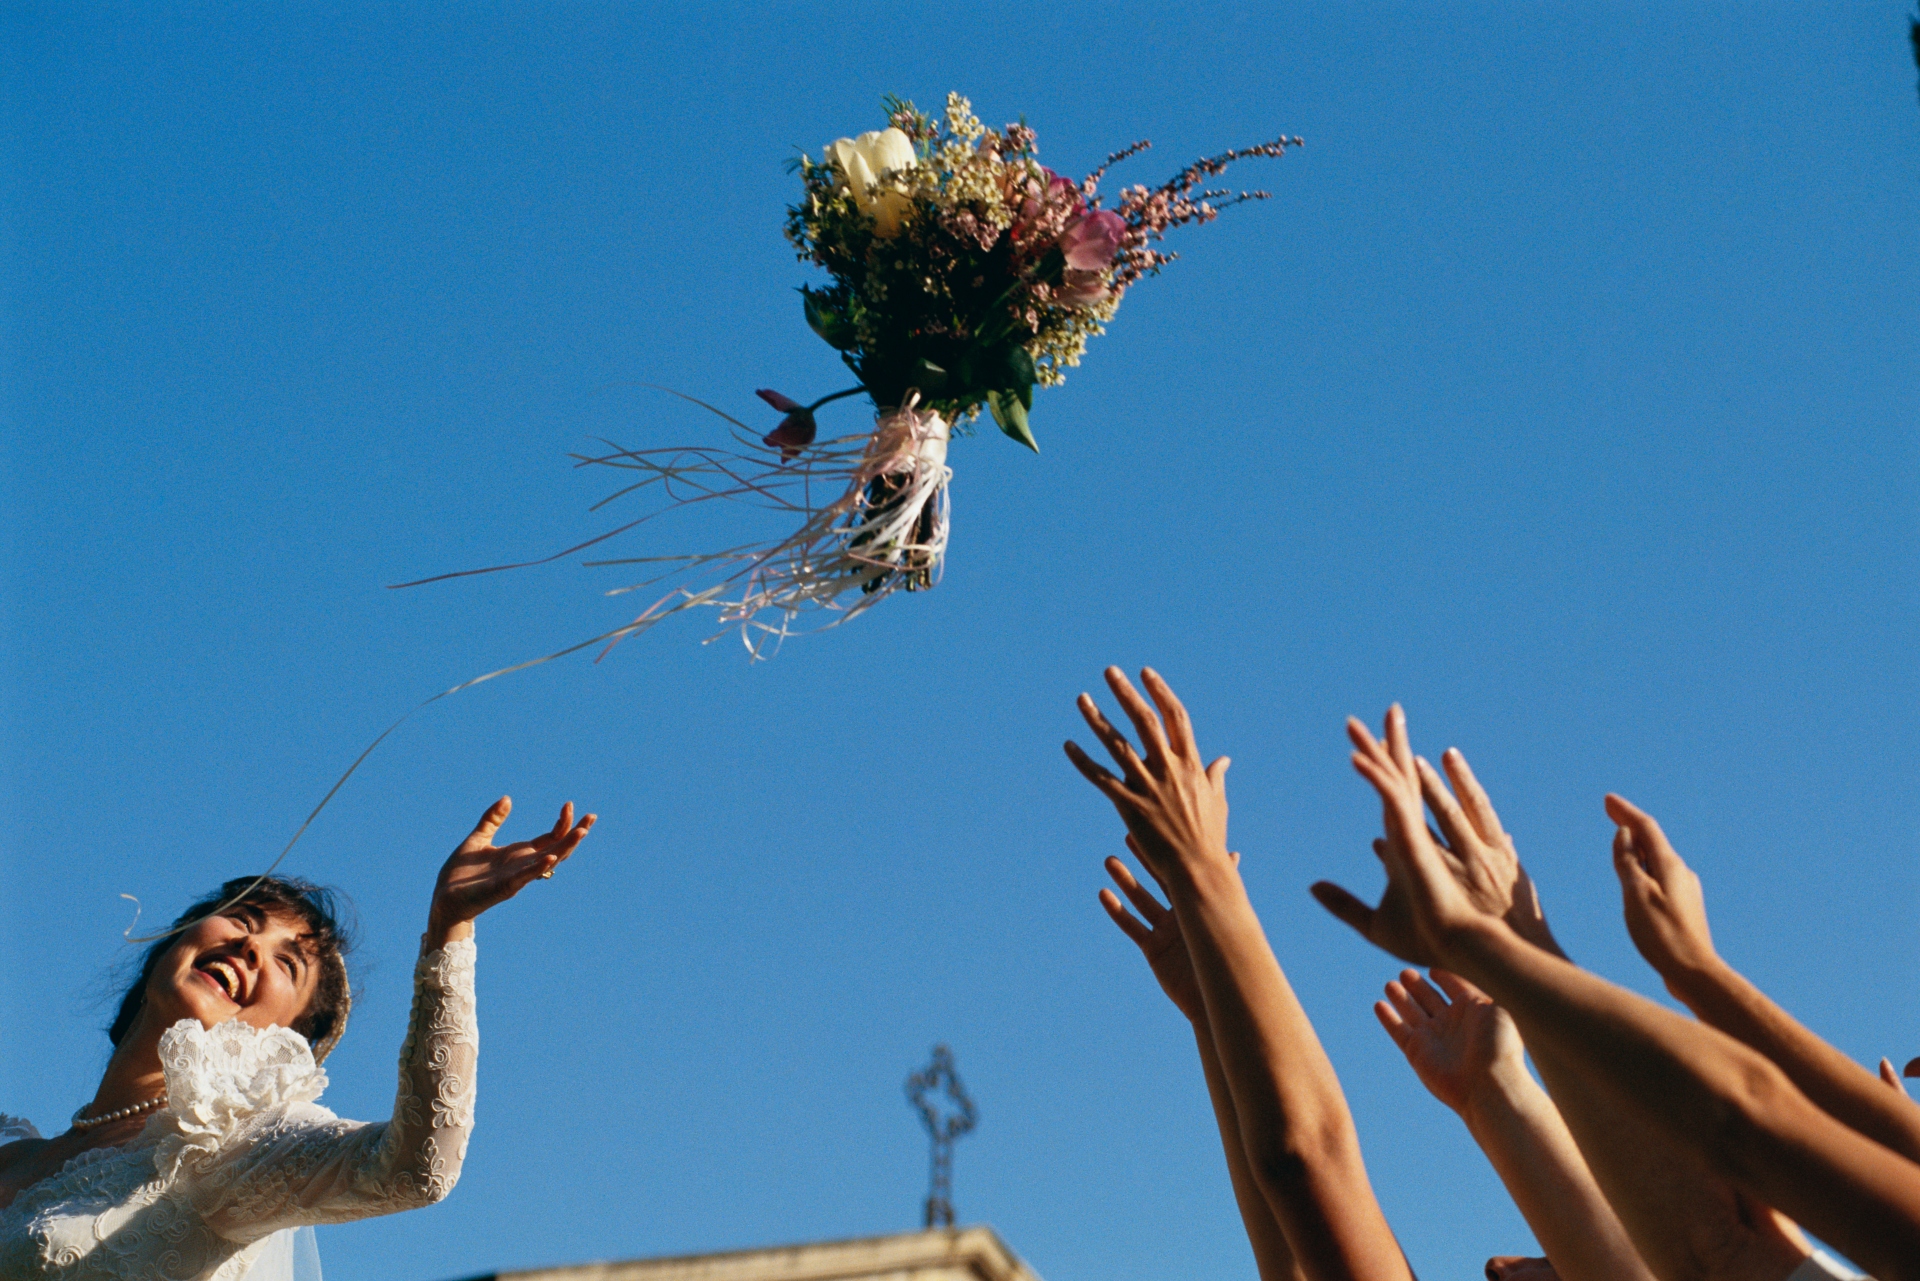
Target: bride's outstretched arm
point(300, 1164)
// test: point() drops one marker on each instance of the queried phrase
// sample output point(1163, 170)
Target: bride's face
point(255, 968)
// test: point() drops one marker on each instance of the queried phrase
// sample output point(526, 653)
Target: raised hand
point(1454, 1036)
point(1431, 891)
point(1665, 909)
point(1156, 932)
point(1490, 866)
point(480, 874)
point(1174, 807)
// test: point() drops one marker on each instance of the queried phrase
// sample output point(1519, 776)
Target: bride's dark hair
point(315, 907)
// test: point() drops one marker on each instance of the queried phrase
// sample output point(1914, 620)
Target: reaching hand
point(1493, 876)
point(1175, 809)
point(480, 874)
point(1454, 1043)
point(1666, 912)
point(1431, 890)
point(1157, 934)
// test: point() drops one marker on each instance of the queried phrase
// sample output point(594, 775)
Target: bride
point(204, 1146)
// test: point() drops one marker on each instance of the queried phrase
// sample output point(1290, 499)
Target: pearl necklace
point(118, 1114)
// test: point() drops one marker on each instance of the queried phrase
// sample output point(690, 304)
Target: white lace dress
point(242, 1150)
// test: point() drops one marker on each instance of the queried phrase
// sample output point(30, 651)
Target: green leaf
point(1020, 362)
point(1012, 417)
point(832, 327)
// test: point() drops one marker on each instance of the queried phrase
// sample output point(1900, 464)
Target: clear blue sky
point(1566, 392)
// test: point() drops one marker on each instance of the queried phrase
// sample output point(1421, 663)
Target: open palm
point(1452, 1034)
point(480, 874)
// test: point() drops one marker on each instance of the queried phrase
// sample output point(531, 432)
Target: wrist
point(444, 928)
point(1466, 946)
point(1694, 980)
point(1498, 1092)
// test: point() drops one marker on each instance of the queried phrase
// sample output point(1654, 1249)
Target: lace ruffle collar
point(220, 1078)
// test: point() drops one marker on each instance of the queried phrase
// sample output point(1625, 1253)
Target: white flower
point(865, 163)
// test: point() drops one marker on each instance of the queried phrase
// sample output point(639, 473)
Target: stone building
point(939, 1254)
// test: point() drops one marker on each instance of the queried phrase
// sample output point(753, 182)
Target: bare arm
point(1714, 1097)
point(1465, 1050)
point(1667, 917)
point(1294, 1123)
point(1157, 933)
point(1684, 1221)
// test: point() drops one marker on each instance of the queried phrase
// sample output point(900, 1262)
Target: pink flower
point(1079, 288)
point(796, 430)
point(1091, 240)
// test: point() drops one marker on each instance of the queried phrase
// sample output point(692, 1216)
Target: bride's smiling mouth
point(224, 975)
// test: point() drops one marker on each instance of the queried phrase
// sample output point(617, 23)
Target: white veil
point(290, 1254)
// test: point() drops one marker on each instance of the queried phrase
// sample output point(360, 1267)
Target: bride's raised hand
point(480, 874)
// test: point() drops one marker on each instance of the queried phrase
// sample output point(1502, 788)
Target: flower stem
point(838, 395)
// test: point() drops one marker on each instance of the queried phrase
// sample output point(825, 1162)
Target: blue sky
point(1565, 392)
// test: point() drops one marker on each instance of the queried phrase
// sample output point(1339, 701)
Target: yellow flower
point(866, 163)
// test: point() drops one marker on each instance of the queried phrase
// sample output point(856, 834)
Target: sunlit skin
point(260, 969)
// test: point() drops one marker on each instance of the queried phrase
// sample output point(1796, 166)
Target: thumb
point(1217, 772)
point(1343, 905)
point(1890, 1076)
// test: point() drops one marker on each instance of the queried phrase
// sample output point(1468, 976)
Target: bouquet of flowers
point(961, 273)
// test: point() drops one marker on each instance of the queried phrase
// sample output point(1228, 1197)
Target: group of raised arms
point(1661, 1146)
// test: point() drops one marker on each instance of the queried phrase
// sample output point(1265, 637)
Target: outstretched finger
point(1414, 1014)
point(1629, 865)
point(1400, 807)
point(1457, 988)
point(1145, 903)
point(563, 824)
point(1091, 770)
point(1173, 713)
point(1473, 797)
point(1395, 1025)
point(1453, 821)
point(1112, 739)
point(1655, 850)
point(1344, 905)
point(571, 841)
point(1132, 928)
point(1364, 742)
point(490, 822)
point(1146, 722)
point(1399, 746)
point(1424, 994)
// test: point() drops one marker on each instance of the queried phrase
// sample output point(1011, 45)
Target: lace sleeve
point(302, 1165)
